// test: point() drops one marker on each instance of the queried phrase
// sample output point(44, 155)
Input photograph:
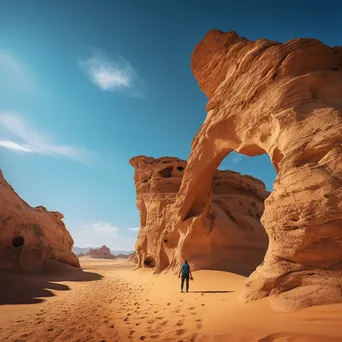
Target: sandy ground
point(108, 301)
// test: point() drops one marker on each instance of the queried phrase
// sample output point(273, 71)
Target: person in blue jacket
point(185, 272)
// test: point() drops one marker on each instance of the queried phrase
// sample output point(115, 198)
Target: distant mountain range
point(84, 250)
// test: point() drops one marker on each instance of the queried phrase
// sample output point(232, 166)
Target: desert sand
point(108, 301)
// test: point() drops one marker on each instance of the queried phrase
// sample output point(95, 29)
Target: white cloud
point(14, 146)
point(112, 74)
point(33, 141)
point(237, 158)
point(105, 228)
point(134, 229)
point(101, 232)
point(14, 73)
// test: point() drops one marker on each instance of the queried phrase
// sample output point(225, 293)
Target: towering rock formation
point(230, 235)
point(284, 100)
point(101, 253)
point(31, 237)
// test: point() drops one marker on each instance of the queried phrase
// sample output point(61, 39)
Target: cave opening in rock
point(149, 261)
point(167, 172)
point(18, 241)
point(180, 168)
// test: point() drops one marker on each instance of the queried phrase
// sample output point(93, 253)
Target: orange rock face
point(284, 100)
point(228, 237)
point(30, 238)
point(101, 253)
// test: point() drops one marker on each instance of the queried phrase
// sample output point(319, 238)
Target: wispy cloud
point(34, 142)
point(237, 158)
point(101, 232)
point(112, 74)
point(134, 229)
point(14, 146)
point(14, 73)
point(104, 228)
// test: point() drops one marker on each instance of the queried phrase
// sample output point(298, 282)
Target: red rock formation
point(31, 237)
point(101, 253)
point(284, 100)
point(229, 237)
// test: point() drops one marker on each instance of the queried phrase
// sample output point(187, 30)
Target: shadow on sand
point(211, 291)
point(29, 288)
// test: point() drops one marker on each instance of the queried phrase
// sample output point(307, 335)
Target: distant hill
point(84, 250)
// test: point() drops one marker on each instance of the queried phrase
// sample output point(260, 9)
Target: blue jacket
point(185, 270)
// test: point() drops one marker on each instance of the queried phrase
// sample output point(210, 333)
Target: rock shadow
point(31, 288)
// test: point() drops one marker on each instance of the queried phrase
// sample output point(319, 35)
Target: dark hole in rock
point(165, 240)
point(180, 168)
point(145, 180)
point(149, 261)
point(18, 241)
point(166, 173)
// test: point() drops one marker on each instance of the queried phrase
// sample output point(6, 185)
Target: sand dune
point(108, 301)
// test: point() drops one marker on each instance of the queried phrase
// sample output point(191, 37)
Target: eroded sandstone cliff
point(284, 100)
point(230, 235)
point(30, 238)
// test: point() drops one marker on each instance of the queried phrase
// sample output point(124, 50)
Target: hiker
point(186, 274)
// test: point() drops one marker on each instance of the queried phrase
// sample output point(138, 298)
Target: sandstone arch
point(284, 100)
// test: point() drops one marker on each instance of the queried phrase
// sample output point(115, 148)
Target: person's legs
point(182, 283)
point(187, 283)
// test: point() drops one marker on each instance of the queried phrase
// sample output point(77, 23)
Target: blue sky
point(86, 85)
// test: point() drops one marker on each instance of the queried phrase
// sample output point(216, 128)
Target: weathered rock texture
point(284, 100)
point(31, 237)
point(132, 258)
point(228, 237)
point(101, 253)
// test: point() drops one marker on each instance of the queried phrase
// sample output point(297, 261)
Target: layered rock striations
point(30, 238)
point(230, 235)
point(284, 100)
point(100, 253)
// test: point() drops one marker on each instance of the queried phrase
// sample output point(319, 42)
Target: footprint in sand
point(151, 321)
point(199, 320)
point(154, 336)
point(180, 324)
point(203, 304)
point(142, 338)
point(180, 331)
